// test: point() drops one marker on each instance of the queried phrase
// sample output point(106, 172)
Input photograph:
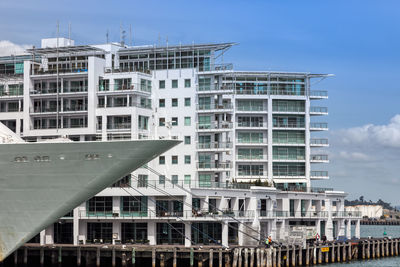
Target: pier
point(203, 256)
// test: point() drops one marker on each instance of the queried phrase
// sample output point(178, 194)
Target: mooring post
point(78, 256)
point(391, 248)
point(349, 256)
point(235, 257)
point(333, 253)
point(153, 257)
point(344, 253)
point(327, 256)
point(363, 250)
point(378, 249)
point(396, 247)
point(300, 263)
point(53, 257)
point(269, 257)
point(274, 257)
point(319, 255)
point(368, 249)
point(293, 255)
point(387, 247)
point(262, 251)
point(314, 253)
point(287, 255)
point(338, 252)
point(373, 249)
point(210, 260)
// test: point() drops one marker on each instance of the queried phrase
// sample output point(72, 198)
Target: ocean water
point(375, 231)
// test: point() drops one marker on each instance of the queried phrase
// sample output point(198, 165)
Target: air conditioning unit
point(115, 214)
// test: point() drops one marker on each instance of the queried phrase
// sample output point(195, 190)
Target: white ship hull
point(40, 182)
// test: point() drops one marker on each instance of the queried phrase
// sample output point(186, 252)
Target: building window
point(187, 102)
point(174, 121)
point(174, 179)
point(187, 140)
point(161, 179)
point(161, 160)
point(174, 102)
point(187, 159)
point(99, 206)
point(142, 180)
point(161, 122)
point(174, 159)
point(161, 84)
point(187, 121)
point(143, 122)
point(187, 83)
point(161, 103)
point(174, 83)
point(187, 178)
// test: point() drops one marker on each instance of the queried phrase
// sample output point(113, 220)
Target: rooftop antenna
point(107, 36)
point(159, 39)
point(69, 33)
point(122, 35)
point(130, 34)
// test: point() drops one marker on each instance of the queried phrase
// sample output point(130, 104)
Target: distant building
point(370, 211)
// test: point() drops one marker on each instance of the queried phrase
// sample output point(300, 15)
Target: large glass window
point(187, 121)
point(187, 83)
point(250, 105)
point(170, 235)
point(250, 170)
point(99, 206)
point(204, 180)
point(134, 206)
point(187, 102)
point(96, 230)
point(288, 153)
point(206, 233)
point(174, 83)
point(288, 137)
point(133, 233)
point(288, 169)
point(204, 84)
point(204, 122)
point(250, 153)
point(250, 137)
point(143, 180)
point(288, 106)
point(161, 84)
point(143, 122)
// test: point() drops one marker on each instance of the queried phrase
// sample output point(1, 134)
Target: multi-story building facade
point(245, 165)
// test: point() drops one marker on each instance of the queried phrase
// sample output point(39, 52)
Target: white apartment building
point(245, 165)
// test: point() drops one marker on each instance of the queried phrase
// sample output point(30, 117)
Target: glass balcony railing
point(252, 124)
point(214, 165)
point(319, 157)
point(289, 124)
point(214, 145)
point(117, 126)
point(288, 108)
point(319, 110)
point(318, 125)
point(216, 126)
point(214, 106)
point(318, 174)
point(319, 141)
point(318, 94)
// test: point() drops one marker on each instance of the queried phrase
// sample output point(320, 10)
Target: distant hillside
point(362, 201)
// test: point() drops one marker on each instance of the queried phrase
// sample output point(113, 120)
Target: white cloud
point(8, 48)
point(356, 156)
point(387, 135)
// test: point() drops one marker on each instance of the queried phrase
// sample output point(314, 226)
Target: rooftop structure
point(239, 129)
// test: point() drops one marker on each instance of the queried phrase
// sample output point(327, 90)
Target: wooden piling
point(98, 257)
point(287, 256)
point(123, 259)
point(326, 257)
point(333, 253)
point(387, 247)
point(344, 253)
point(16, 257)
point(314, 254)
point(279, 257)
point(349, 256)
point(25, 256)
point(246, 255)
point(274, 257)
point(307, 255)
point(269, 257)
point(210, 258)
point(220, 258)
point(133, 256)
point(338, 252)
point(162, 260)
point(391, 248)
point(378, 249)
point(293, 255)
point(113, 257)
point(42, 257)
point(227, 260)
point(258, 257)
point(251, 257)
point(363, 250)
point(235, 257)
point(153, 257)
point(240, 257)
point(396, 247)
point(300, 263)
point(368, 249)
point(262, 258)
point(200, 260)
point(373, 249)
point(53, 257)
point(78, 256)
point(319, 255)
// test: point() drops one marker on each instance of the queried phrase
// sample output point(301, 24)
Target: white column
point(269, 137)
point(357, 232)
point(225, 234)
point(348, 229)
point(188, 233)
point(151, 233)
point(329, 224)
point(104, 128)
point(42, 237)
point(273, 229)
point(341, 227)
point(76, 226)
point(116, 231)
point(241, 236)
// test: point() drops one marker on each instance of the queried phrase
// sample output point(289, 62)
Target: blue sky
point(358, 41)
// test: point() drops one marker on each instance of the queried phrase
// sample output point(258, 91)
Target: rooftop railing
point(60, 71)
point(305, 189)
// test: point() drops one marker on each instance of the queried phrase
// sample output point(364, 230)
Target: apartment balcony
point(215, 89)
point(300, 188)
point(319, 159)
point(251, 109)
point(249, 142)
point(300, 214)
point(214, 166)
point(288, 174)
point(288, 158)
point(251, 91)
point(319, 142)
point(318, 126)
point(65, 110)
point(251, 158)
point(319, 175)
point(119, 88)
point(126, 70)
point(227, 185)
point(318, 111)
point(248, 175)
point(287, 109)
point(289, 125)
point(119, 126)
point(216, 67)
point(288, 92)
point(52, 72)
point(12, 94)
point(346, 214)
point(203, 214)
point(215, 108)
point(252, 125)
point(214, 127)
point(214, 146)
point(315, 94)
